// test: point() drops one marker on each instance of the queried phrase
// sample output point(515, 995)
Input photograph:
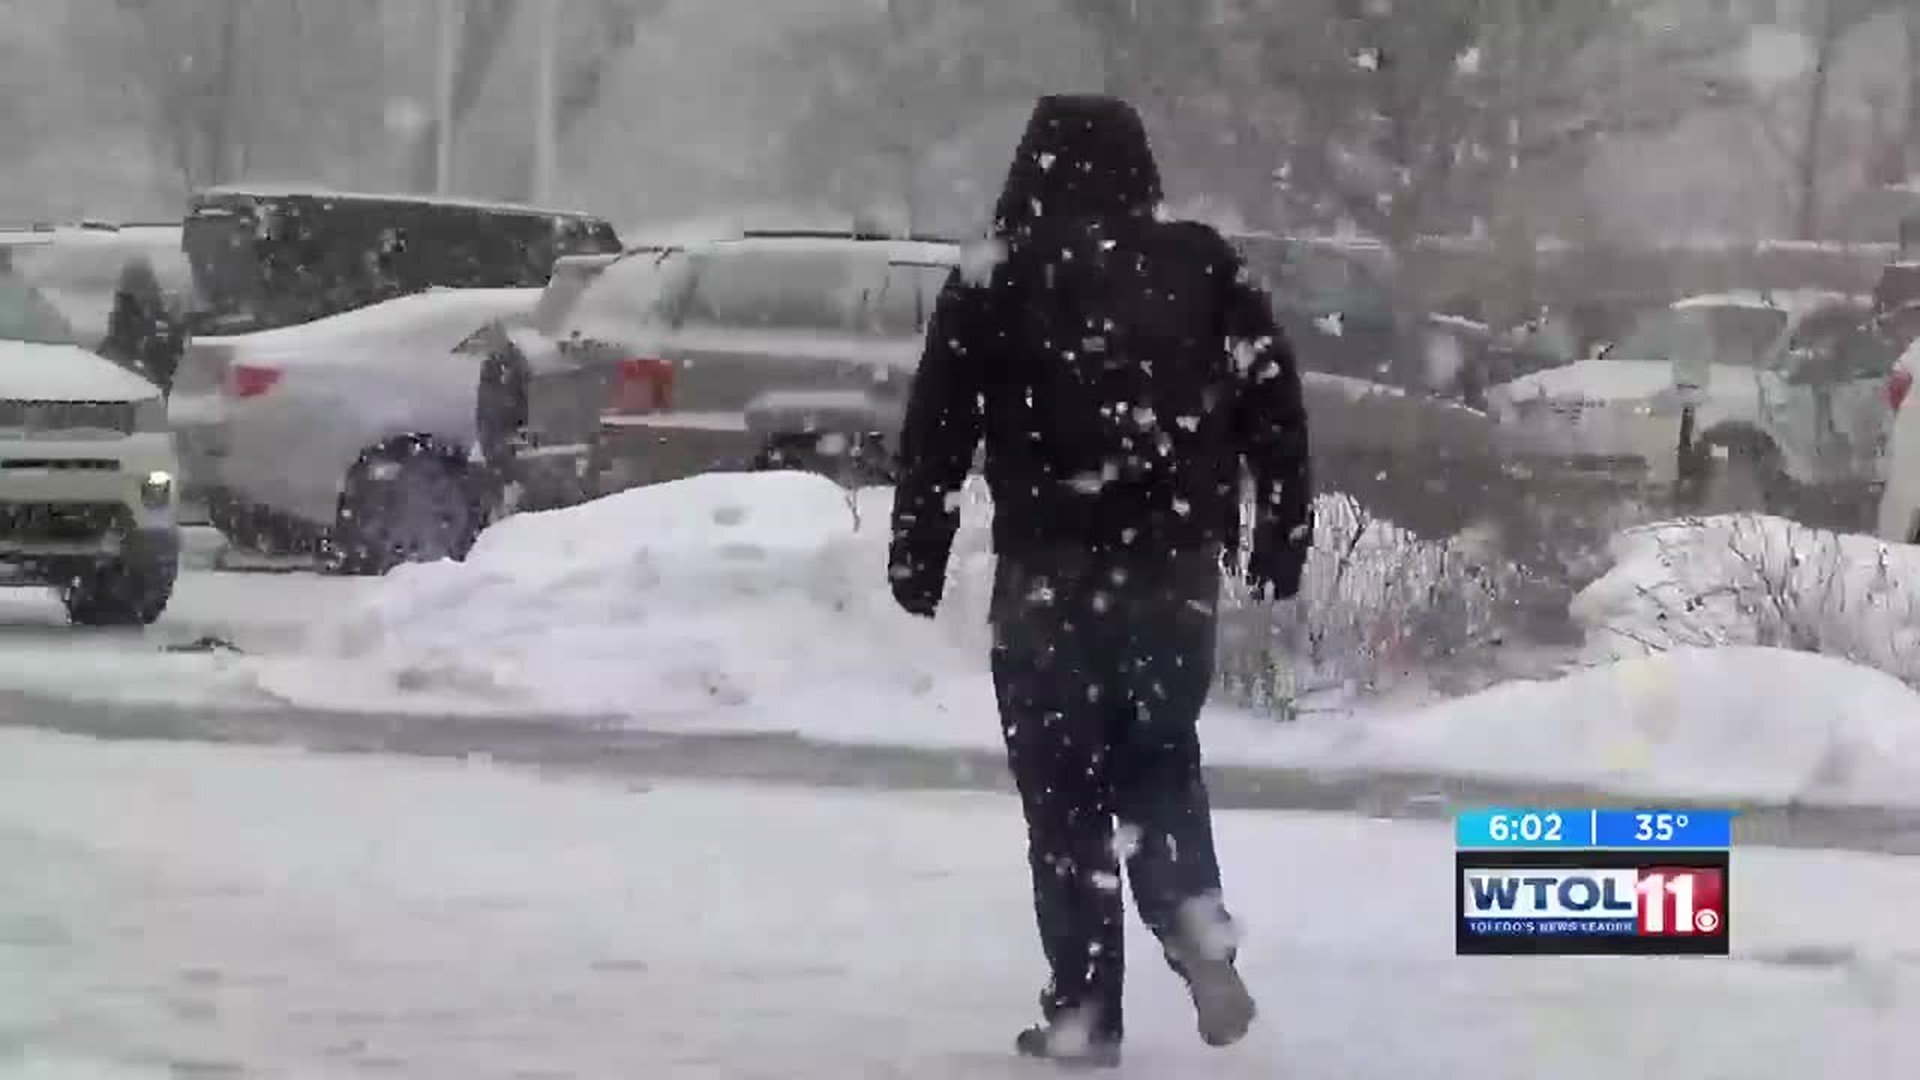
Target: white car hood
point(1592, 380)
point(32, 372)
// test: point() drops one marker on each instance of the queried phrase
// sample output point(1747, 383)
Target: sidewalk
point(574, 746)
point(188, 910)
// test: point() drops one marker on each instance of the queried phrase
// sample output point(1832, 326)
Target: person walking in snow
point(1120, 370)
point(141, 332)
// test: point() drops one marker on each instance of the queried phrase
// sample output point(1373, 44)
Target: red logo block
point(1681, 901)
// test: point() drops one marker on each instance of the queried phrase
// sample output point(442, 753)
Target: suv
point(768, 350)
point(1391, 394)
point(1721, 403)
point(265, 258)
point(87, 470)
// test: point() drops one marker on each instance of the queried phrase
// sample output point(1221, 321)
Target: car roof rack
point(32, 235)
point(845, 234)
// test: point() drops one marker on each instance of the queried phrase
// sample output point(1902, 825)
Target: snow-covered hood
point(433, 320)
point(34, 372)
point(1591, 380)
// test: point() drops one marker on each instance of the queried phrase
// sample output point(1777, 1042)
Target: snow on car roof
point(14, 238)
point(395, 316)
point(1794, 302)
point(144, 233)
point(39, 371)
point(297, 191)
point(934, 252)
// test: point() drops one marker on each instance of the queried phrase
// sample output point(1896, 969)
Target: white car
point(78, 269)
point(1900, 502)
point(350, 436)
point(1782, 391)
point(87, 488)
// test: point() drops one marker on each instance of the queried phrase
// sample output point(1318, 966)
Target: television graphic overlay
point(1591, 882)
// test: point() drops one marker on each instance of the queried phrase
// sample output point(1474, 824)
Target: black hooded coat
point(1118, 368)
point(141, 331)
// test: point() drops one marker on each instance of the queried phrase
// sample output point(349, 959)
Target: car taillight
point(1899, 385)
point(249, 380)
point(641, 386)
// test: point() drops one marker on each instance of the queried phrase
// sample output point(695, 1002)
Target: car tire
point(410, 502)
point(500, 407)
point(132, 589)
point(1739, 476)
point(863, 462)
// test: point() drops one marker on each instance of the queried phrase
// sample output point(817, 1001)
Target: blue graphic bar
point(1675, 829)
point(1505, 828)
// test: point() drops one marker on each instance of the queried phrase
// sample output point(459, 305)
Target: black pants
point(1101, 672)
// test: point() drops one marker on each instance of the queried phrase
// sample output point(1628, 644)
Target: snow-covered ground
point(263, 614)
point(759, 604)
point(177, 910)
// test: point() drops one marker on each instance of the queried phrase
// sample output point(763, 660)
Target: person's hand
point(1280, 580)
point(915, 595)
point(1276, 564)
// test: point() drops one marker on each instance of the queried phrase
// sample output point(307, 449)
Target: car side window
point(907, 301)
point(1864, 353)
point(1814, 349)
point(785, 290)
point(639, 290)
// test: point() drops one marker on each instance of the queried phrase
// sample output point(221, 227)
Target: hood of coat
point(1082, 156)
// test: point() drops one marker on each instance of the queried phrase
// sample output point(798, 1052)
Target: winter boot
point(1203, 954)
point(1067, 1038)
point(1068, 1042)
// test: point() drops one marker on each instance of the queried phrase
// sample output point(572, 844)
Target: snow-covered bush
point(1752, 580)
point(1376, 605)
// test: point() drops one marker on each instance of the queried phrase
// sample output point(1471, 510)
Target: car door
point(764, 320)
point(622, 315)
point(1859, 418)
point(1820, 395)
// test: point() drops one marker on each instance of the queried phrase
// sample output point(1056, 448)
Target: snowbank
point(723, 591)
point(1748, 580)
point(759, 603)
point(1732, 722)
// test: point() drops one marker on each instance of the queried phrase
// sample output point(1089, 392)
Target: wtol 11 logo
point(1592, 882)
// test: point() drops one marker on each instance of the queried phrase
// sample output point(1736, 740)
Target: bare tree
point(600, 34)
point(1805, 140)
point(483, 29)
point(225, 86)
point(1400, 117)
point(1415, 118)
point(1913, 90)
point(186, 55)
point(896, 84)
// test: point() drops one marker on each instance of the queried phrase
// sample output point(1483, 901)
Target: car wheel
point(1737, 477)
point(851, 461)
point(409, 503)
point(500, 407)
point(131, 589)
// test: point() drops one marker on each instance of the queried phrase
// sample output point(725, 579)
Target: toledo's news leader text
point(1703, 889)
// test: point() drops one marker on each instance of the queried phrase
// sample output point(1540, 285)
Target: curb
point(605, 750)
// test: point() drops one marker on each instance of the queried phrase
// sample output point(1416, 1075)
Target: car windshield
point(1730, 336)
point(636, 290)
point(93, 262)
point(26, 315)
